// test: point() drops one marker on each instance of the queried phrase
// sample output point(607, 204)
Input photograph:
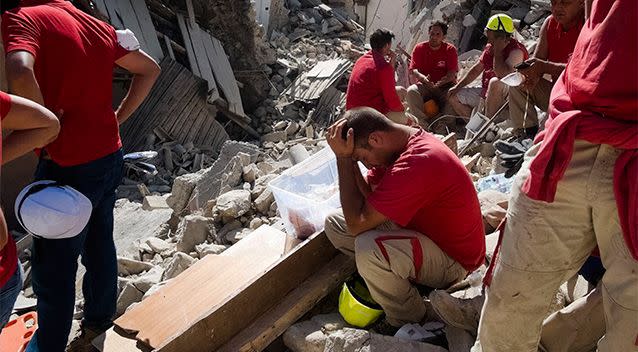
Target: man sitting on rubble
point(415, 219)
point(434, 66)
point(555, 44)
point(500, 56)
point(576, 192)
point(63, 58)
point(372, 81)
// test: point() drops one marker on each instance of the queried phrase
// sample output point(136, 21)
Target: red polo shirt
point(487, 58)
point(560, 43)
point(434, 64)
point(74, 59)
point(372, 84)
point(8, 255)
point(428, 190)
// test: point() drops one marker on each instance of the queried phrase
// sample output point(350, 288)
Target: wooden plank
point(205, 70)
point(191, 12)
point(188, 44)
point(153, 47)
point(116, 340)
point(221, 295)
point(207, 39)
point(224, 76)
point(101, 6)
point(124, 11)
point(264, 330)
point(169, 47)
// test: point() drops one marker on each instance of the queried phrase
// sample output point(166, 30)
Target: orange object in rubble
point(18, 332)
point(431, 108)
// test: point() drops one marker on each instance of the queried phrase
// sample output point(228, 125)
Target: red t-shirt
point(372, 84)
point(560, 44)
point(429, 190)
point(487, 58)
point(434, 64)
point(74, 59)
point(8, 255)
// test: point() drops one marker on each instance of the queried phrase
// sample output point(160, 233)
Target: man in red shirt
point(63, 59)
point(403, 222)
point(33, 126)
point(372, 81)
point(500, 56)
point(575, 192)
point(556, 42)
point(434, 66)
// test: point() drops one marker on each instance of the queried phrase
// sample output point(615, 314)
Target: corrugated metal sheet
point(310, 85)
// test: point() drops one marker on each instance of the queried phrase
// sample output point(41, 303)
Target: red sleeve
point(485, 56)
point(374, 175)
point(396, 196)
point(417, 57)
point(389, 90)
point(452, 59)
point(5, 104)
point(20, 33)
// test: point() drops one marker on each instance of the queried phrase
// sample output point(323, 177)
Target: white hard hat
point(50, 210)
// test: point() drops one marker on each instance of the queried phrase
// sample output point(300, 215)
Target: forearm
point(362, 184)
point(469, 76)
point(501, 68)
point(449, 77)
point(551, 68)
point(352, 200)
point(19, 143)
point(140, 87)
point(23, 83)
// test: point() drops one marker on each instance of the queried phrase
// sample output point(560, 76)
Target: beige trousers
point(401, 117)
point(546, 243)
point(577, 327)
point(390, 259)
point(539, 96)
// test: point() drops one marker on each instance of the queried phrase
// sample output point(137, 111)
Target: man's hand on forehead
point(343, 148)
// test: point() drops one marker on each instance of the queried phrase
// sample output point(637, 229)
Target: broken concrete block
point(281, 125)
point(233, 204)
point(305, 336)
point(132, 224)
point(265, 167)
point(129, 295)
point(330, 322)
point(277, 136)
point(261, 184)
point(244, 158)
point(150, 278)
point(154, 202)
point(236, 235)
point(255, 223)
point(193, 230)
point(355, 340)
point(264, 201)
point(310, 131)
point(183, 187)
point(126, 266)
point(298, 153)
point(154, 289)
point(205, 249)
point(250, 173)
point(177, 265)
point(292, 128)
point(469, 20)
point(160, 246)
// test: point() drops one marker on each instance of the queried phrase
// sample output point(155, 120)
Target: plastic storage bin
point(307, 192)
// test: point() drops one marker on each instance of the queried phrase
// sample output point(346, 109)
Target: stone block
point(193, 230)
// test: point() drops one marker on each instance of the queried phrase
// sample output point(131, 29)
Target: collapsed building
point(246, 92)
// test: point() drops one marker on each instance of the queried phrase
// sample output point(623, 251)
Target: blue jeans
point(55, 262)
point(8, 294)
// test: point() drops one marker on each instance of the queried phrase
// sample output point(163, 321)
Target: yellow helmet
point(500, 22)
point(356, 306)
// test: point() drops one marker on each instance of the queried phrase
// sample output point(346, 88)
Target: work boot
point(83, 342)
point(382, 327)
point(460, 313)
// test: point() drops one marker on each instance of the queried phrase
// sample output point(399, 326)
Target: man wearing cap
point(402, 222)
point(556, 42)
point(499, 57)
point(33, 127)
point(372, 81)
point(63, 58)
point(575, 192)
point(434, 65)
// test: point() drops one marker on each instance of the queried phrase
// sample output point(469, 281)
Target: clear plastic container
point(496, 182)
point(307, 192)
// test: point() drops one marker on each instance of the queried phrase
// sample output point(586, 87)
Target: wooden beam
point(263, 331)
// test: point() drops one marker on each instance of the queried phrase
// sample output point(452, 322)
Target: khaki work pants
point(401, 117)
point(418, 94)
point(387, 258)
point(577, 327)
point(546, 243)
point(539, 96)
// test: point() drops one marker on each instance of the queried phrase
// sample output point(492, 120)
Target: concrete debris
point(193, 230)
point(233, 204)
point(205, 249)
point(264, 201)
point(236, 235)
point(154, 202)
point(149, 279)
point(129, 295)
point(177, 265)
point(132, 224)
point(159, 246)
point(126, 266)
